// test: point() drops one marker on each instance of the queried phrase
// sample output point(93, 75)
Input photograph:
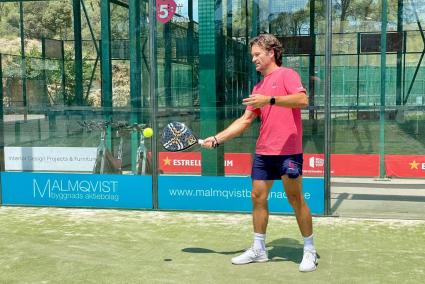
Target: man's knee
point(258, 196)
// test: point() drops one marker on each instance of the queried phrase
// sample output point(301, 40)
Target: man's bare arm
point(297, 100)
point(233, 130)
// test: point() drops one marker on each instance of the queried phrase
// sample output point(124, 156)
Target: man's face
point(261, 58)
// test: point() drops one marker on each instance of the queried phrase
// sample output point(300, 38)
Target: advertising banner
point(230, 194)
point(358, 165)
point(52, 159)
point(81, 160)
point(405, 166)
point(362, 165)
point(76, 190)
point(190, 163)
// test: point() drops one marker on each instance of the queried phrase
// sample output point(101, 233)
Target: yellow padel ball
point(147, 132)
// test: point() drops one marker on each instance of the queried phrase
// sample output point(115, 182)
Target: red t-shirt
point(281, 127)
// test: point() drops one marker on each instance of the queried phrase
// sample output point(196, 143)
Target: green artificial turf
point(57, 245)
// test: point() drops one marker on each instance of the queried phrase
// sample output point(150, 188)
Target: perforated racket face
point(176, 136)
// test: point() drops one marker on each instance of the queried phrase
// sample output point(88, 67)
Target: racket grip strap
point(216, 142)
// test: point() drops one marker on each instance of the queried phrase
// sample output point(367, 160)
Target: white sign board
point(53, 159)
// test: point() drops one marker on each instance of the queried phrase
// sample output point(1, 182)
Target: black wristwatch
point(272, 100)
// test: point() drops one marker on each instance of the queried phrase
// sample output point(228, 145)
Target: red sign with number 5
point(165, 10)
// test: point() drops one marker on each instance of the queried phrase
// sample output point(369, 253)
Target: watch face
point(272, 100)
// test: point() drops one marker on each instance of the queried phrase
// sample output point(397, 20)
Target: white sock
point(308, 243)
point(259, 241)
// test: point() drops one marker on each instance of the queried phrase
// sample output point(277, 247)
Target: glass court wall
point(127, 63)
point(377, 108)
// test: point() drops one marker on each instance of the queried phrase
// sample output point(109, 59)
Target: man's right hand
point(210, 143)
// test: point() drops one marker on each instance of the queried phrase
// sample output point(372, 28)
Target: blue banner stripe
point(174, 192)
point(230, 194)
point(76, 190)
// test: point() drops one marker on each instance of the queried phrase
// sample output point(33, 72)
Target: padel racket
point(176, 136)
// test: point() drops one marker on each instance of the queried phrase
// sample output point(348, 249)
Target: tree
point(290, 23)
point(344, 9)
point(57, 20)
point(33, 19)
point(52, 19)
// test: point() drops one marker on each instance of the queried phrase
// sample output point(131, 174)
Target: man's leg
point(293, 189)
point(260, 212)
point(260, 218)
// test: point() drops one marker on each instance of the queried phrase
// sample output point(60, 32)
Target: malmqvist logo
point(80, 190)
point(66, 189)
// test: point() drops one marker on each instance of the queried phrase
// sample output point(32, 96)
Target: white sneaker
point(251, 255)
point(309, 262)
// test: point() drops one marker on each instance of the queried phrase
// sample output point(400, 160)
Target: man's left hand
point(256, 100)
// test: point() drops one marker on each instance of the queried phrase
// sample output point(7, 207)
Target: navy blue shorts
point(274, 167)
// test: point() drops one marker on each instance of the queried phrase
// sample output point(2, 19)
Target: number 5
point(163, 11)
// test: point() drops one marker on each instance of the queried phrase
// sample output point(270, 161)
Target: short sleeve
point(292, 82)
point(257, 111)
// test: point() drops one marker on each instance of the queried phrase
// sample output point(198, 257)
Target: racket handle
point(201, 141)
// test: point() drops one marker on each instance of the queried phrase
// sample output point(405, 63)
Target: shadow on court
point(205, 250)
point(283, 249)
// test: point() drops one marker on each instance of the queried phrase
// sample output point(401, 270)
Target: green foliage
point(12, 65)
point(58, 20)
point(51, 19)
point(33, 63)
point(33, 19)
point(119, 22)
point(69, 67)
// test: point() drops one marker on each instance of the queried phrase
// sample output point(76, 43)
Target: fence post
point(2, 167)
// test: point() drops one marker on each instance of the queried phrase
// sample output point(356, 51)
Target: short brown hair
point(269, 42)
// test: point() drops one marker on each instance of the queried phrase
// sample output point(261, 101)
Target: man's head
point(265, 50)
